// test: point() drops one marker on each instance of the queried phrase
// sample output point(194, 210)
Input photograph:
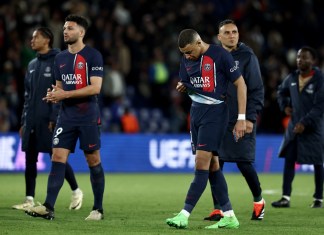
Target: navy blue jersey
point(74, 71)
point(207, 78)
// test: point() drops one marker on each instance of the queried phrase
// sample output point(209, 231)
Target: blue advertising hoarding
point(143, 153)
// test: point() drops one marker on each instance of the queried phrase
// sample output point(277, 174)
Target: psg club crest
point(207, 67)
point(80, 65)
point(310, 89)
point(56, 141)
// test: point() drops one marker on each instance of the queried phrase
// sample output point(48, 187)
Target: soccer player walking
point(205, 72)
point(78, 73)
point(241, 152)
point(39, 118)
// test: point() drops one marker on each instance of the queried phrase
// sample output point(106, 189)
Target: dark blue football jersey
point(207, 78)
point(74, 71)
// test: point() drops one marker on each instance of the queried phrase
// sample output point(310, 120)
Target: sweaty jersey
point(206, 79)
point(74, 71)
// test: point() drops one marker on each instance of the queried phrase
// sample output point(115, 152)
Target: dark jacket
point(244, 150)
point(37, 113)
point(308, 108)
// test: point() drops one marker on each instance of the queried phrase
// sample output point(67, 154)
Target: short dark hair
point(46, 33)
point(224, 22)
point(80, 20)
point(187, 36)
point(310, 50)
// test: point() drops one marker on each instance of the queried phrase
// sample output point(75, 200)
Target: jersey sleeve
point(230, 67)
point(96, 65)
point(184, 77)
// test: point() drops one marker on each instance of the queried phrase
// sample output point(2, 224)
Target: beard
point(70, 41)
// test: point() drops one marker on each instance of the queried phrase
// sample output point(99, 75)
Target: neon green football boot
point(225, 222)
point(179, 221)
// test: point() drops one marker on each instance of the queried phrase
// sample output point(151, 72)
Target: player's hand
point(55, 95)
point(46, 98)
point(180, 87)
point(288, 111)
point(239, 130)
point(21, 129)
point(249, 126)
point(299, 128)
point(51, 126)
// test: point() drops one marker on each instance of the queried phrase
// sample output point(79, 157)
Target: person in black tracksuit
point(39, 117)
point(301, 96)
point(242, 152)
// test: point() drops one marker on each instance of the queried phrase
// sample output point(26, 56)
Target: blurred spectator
point(158, 76)
point(129, 122)
point(177, 111)
point(113, 86)
point(4, 116)
point(55, 24)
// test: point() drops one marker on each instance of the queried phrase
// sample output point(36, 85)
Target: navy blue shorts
point(66, 136)
point(207, 126)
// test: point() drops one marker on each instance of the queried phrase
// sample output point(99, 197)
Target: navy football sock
point(197, 187)
point(212, 181)
point(97, 178)
point(70, 177)
point(220, 190)
point(54, 184)
point(30, 178)
point(318, 174)
point(252, 179)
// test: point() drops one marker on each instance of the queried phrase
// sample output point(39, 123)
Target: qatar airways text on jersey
point(200, 82)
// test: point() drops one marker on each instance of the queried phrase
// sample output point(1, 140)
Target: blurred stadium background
point(138, 40)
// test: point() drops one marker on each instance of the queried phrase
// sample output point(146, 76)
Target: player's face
point(72, 32)
point(228, 36)
point(304, 60)
point(38, 41)
point(192, 51)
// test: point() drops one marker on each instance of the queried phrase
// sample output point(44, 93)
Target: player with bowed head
point(205, 71)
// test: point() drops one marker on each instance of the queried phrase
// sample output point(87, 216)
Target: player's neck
point(43, 51)
point(229, 48)
point(204, 47)
point(76, 47)
point(307, 73)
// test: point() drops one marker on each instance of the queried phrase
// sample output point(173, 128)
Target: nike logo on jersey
point(92, 145)
point(62, 65)
point(31, 71)
point(201, 145)
point(293, 84)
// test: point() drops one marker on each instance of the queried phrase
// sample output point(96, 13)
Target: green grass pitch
point(140, 203)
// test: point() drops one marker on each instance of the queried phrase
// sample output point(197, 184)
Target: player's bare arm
point(240, 126)
point(57, 93)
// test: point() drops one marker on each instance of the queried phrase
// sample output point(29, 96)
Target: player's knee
point(58, 158)
point(214, 164)
point(93, 161)
point(202, 163)
point(93, 158)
